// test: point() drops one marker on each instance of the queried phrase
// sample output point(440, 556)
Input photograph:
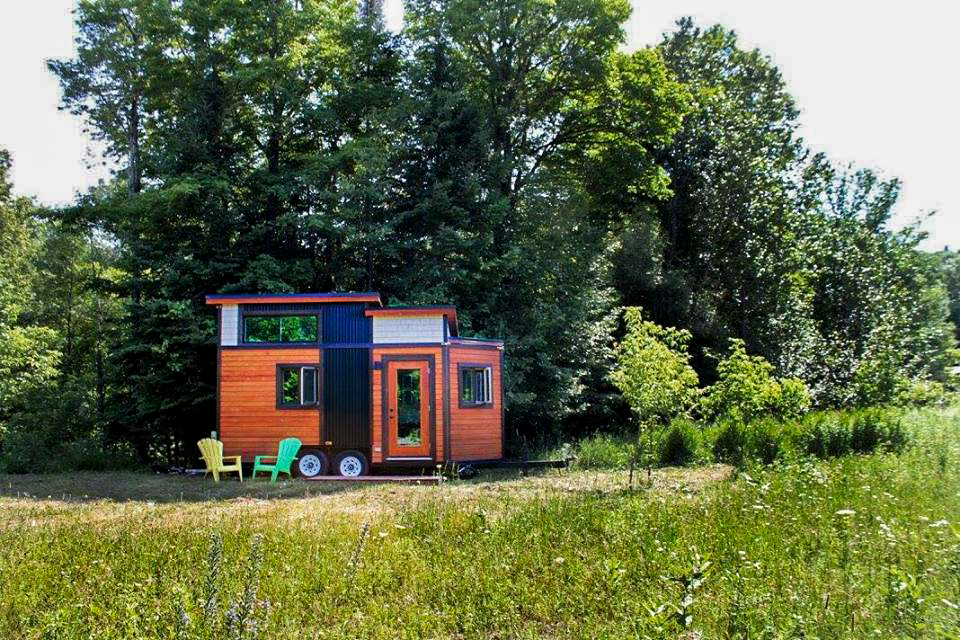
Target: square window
point(476, 386)
point(297, 386)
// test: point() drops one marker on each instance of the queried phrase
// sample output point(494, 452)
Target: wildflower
point(558, 560)
point(940, 523)
point(845, 512)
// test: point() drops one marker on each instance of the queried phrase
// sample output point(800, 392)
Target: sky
point(876, 82)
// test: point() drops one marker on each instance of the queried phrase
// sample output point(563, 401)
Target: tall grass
point(854, 546)
point(822, 434)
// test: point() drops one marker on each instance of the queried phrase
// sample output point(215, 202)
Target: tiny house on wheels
point(361, 385)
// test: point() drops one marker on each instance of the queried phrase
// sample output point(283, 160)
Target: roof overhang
point(293, 298)
point(448, 311)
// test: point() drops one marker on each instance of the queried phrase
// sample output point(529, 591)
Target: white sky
point(877, 83)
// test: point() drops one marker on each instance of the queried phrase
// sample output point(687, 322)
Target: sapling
point(655, 377)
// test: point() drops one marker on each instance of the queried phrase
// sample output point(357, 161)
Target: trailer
point(364, 387)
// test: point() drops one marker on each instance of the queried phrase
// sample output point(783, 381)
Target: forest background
point(510, 158)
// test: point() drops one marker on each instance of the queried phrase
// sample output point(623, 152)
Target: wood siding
point(378, 449)
point(476, 433)
point(250, 422)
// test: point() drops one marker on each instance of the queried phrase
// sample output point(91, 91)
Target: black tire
point(351, 464)
point(311, 463)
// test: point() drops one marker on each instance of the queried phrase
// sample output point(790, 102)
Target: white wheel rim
point(309, 465)
point(350, 467)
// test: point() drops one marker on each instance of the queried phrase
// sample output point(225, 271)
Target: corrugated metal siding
point(346, 397)
point(280, 308)
point(345, 323)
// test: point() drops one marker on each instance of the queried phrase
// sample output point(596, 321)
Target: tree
point(654, 374)
point(879, 304)
point(111, 83)
point(724, 239)
point(28, 353)
point(545, 81)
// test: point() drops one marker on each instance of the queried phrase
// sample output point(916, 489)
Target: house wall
point(476, 433)
point(408, 329)
point(250, 422)
point(378, 450)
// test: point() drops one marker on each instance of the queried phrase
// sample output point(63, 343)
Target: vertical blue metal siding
point(345, 323)
point(346, 397)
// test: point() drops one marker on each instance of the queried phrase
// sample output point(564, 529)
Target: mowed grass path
point(856, 547)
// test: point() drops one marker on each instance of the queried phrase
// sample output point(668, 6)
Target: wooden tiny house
point(361, 385)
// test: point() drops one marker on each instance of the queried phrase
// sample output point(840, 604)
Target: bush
point(923, 393)
point(728, 443)
point(826, 436)
point(43, 451)
point(747, 390)
point(765, 441)
point(90, 454)
point(838, 433)
point(603, 451)
point(680, 443)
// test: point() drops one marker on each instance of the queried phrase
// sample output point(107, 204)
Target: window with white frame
point(297, 386)
point(476, 386)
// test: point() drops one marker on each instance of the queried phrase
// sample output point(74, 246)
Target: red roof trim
point(292, 298)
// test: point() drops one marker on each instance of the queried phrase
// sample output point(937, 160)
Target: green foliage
point(28, 352)
point(729, 443)
point(746, 390)
point(508, 158)
point(680, 443)
point(603, 451)
point(653, 369)
point(924, 393)
point(832, 434)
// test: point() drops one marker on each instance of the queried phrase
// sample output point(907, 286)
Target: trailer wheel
point(312, 463)
point(351, 464)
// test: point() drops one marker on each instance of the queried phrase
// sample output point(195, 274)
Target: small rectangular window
point(476, 386)
point(280, 329)
point(297, 386)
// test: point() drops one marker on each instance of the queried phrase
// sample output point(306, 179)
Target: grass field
point(861, 546)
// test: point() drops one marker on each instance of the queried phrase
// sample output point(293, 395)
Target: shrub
point(747, 390)
point(728, 443)
point(90, 454)
point(828, 436)
point(764, 441)
point(603, 451)
point(680, 443)
point(838, 433)
point(42, 450)
point(923, 393)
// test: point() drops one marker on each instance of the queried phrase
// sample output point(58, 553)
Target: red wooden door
point(408, 407)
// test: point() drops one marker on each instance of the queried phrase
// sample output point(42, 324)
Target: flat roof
point(292, 298)
point(436, 310)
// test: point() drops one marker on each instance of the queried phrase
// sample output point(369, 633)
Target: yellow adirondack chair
point(212, 451)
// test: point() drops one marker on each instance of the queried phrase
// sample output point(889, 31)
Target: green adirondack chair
point(286, 454)
point(212, 451)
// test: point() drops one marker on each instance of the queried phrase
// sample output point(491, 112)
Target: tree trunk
point(101, 377)
point(133, 144)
